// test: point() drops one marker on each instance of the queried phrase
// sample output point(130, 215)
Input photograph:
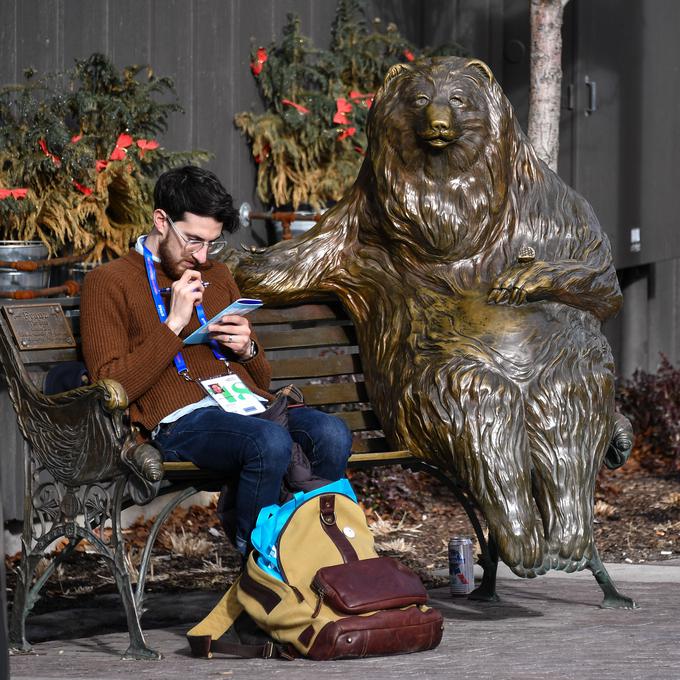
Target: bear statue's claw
point(618, 601)
point(621, 444)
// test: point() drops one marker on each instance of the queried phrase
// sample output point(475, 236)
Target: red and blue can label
point(461, 566)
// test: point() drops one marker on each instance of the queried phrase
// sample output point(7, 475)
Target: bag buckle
point(268, 650)
point(327, 509)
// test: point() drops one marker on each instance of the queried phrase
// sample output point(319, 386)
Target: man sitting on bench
point(135, 312)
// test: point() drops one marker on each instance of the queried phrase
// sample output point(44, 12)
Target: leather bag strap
point(329, 525)
point(204, 646)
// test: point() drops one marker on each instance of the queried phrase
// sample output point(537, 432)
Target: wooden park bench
point(76, 478)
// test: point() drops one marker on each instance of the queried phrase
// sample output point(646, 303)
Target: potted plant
point(309, 141)
point(78, 156)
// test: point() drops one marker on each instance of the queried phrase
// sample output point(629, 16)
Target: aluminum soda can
point(461, 565)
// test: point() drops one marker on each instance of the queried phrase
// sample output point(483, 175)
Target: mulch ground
point(413, 516)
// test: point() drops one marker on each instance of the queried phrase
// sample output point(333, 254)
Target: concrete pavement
point(550, 627)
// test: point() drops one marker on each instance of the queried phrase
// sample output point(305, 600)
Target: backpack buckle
point(327, 508)
point(268, 650)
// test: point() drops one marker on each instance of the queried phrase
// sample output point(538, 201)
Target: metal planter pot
point(77, 272)
point(12, 251)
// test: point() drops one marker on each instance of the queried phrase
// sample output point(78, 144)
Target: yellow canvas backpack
point(319, 590)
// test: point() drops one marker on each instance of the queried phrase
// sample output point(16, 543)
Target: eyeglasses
point(193, 245)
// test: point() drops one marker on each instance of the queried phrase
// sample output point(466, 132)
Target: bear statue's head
point(442, 142)
point(444, 110)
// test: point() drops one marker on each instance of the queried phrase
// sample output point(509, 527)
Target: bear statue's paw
point(621, 444)
point(522, 551)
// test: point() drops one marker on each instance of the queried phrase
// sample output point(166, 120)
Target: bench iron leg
point(138, 648)
point(151, 540)
point(486, 591)
point(612, 597)
point(21, 605)
point(26, 595)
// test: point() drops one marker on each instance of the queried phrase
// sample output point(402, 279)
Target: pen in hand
point(165, 291)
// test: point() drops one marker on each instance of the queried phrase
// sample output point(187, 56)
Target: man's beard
point(174, 267)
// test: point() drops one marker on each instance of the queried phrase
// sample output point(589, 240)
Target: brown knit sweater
point(123, 339)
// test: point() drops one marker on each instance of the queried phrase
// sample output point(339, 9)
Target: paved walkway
point(550, 627)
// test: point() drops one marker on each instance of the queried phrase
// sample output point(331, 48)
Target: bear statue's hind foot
point(484, 593)
point(613, 599)
point(617, 601)
point(488, 560)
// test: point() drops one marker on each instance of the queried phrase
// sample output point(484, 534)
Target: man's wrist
point(250, 353)
point(173, 325)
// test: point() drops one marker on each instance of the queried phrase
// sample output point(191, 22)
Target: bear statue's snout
point(439, 128)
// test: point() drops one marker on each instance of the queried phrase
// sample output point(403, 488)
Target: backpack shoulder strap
point(204, 634)
point(205, 637)
point(204, 646)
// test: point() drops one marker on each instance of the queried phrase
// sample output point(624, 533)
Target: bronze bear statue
point(478, 281)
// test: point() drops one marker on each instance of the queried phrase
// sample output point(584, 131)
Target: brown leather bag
point(368, 585)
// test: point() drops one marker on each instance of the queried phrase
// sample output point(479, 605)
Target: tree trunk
point(546, 78)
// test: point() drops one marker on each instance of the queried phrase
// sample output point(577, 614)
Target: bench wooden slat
point(360, 420)
point(335, 393)
point(317, 367)
point(311, 312)
point(189, 469)
point(307, 337)
point(360, 445)
point(48, 356)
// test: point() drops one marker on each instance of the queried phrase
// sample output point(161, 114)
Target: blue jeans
point(258, 451)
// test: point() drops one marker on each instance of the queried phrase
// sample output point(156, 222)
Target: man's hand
point(187, 292)
point(232, 331)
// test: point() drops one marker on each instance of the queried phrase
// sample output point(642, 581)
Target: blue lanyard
point(180, 364)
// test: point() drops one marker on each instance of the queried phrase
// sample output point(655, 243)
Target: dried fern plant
point(78, 156)
point(309, 141)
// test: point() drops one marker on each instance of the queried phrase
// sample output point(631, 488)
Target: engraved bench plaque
point(42, 326)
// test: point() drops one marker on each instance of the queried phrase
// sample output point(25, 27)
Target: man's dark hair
point(195, 190)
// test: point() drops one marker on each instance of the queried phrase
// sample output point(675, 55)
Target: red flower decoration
point(76, 138)
point(349, 132)
point(82, 188)
point(18, 194)
point(265, 154)
point(359, 150)
point(365, 99)
point(120, 151)
point(342, 107)
point(409, 55)
point(146, 145)
point(100, 165)
point(260, 58)
point(299, 107)
point(43, 145)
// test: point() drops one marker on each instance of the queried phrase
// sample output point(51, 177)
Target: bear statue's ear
point(395, 71)
point(480, 66)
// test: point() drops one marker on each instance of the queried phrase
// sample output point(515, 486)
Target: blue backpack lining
point(273, 518)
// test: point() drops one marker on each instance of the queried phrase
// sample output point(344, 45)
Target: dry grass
point(384, 527)
point(396, 545)
point(671, 500)
point(604, 510)
point(188, 545)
